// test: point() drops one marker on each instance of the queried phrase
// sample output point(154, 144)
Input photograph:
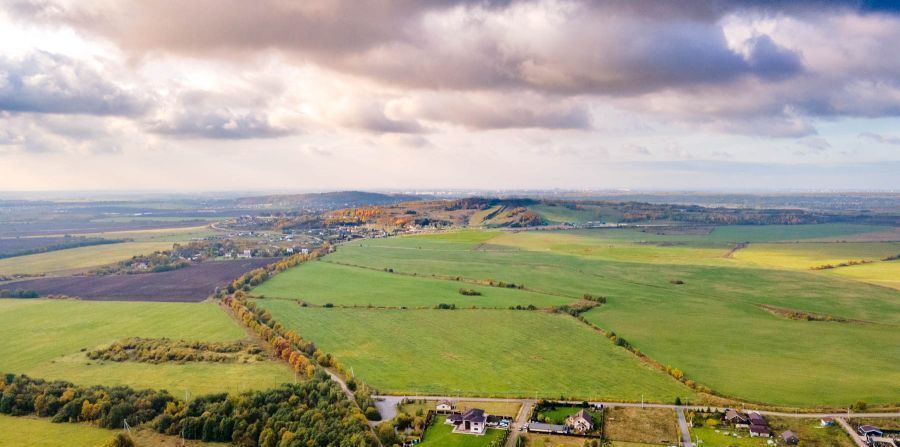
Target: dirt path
point(847, 428)
point(730, 253)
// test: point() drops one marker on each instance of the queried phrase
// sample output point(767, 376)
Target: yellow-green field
point(177, 234)
point(34, 432)
point(38, 432)
point(737, 324)
point(47, 339)
point(78, 258)
point(479, 352)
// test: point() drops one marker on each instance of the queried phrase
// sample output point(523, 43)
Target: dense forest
point(309, 414)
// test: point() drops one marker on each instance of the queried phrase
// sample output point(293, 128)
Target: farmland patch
point(50, 339)
point(401, 351)
point(190, 284)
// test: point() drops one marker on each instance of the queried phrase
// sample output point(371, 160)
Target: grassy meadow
point(46, 339)
point(325, 282)
point(77, 258)
point(35, 432)
point(476, 352)
point(176, 234)
point(39, 432)
point(750, 349)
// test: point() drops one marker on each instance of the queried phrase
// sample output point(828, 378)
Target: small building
point(757, 419)
point(826, 421)
point(868, 430)
point(737, 418)
point(472, 422)
point(444, 406)
point(789, 437)
point(760, 431)
point(580, 422)
point(550, 429)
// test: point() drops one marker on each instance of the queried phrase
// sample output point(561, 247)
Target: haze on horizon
point(225, 95)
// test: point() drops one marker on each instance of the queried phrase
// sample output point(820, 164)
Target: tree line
point(256, 277)
point(309, 414)
point(301, 354)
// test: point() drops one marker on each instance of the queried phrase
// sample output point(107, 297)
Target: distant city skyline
point(227, 95)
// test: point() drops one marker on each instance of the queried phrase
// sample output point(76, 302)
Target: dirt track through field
point(730, 253)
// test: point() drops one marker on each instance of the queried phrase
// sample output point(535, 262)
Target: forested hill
point(327, 200)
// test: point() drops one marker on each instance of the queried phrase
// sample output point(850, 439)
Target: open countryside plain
point(753, 349)
point(325, 282)
point(45, 338)
point(477, 352)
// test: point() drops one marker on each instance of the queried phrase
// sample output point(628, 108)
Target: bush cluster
point(18, 293)
point(161, 350)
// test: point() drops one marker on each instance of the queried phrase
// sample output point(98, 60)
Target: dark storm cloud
point(51, 83)
point(593, 47)
point(219, 124)
point(371, 117)
point(486, 111)
point(673, 59)
point(885, 139)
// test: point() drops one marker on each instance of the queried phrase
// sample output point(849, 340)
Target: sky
point(220, 95)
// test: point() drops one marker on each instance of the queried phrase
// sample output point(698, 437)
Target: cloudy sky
point(312, 95)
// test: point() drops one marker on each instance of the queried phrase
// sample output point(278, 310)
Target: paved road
point(683, 428)
point(646, 405)
point(847, 428)
point(521, 420)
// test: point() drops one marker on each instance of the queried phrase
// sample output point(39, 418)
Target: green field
point(713, 327)
point(325, 282)
point(476, 352)
point(45, 338)
point(33, 432)
point(439, 434)
point(78, 258)
point(38, 432)
point(177, 234)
